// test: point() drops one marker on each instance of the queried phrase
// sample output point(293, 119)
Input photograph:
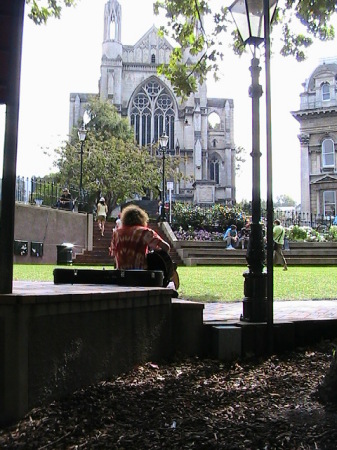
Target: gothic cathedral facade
point(318, 138)
point(130, 81)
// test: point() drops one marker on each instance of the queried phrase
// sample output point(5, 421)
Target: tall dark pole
point(81, 176)
point(10, 96)
point(82, 132)
point(163, 199)
point(252, 20)
point(163, 141)
point(254, 302)
point(270, 206)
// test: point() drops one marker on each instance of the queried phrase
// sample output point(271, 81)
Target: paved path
point(283, 310)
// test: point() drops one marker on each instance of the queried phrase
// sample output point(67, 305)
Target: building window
point(329, 200)
point(153, 59)
point(325, 91)
point(328, 153)
point(214, 121)
point(152, 112)
point(214, 142)
point(215, 170)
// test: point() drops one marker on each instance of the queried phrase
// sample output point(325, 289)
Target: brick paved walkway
point(283, 310)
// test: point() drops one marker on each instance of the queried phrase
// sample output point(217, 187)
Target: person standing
point(102, 211)
point(131, 243)
point(278, 238)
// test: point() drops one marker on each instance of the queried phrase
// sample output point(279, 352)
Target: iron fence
point(38, 191)
point(305, 219)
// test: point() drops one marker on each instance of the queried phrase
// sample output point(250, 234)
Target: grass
point(225, 283)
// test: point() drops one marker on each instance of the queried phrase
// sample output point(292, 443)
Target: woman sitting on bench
point(131, 242)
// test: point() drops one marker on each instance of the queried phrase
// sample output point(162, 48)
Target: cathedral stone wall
point(129, 80)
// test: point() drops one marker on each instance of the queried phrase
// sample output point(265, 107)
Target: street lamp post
point(163, 140)
point(248, 16)
point(82, 132)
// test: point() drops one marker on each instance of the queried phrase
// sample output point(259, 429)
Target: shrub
point(296, 233)
point(216, 218)
point(308, 234)
point(332, 234)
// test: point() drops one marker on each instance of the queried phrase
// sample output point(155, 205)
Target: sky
point(64, 56)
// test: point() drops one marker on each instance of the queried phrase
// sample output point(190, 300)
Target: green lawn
point(225, 283)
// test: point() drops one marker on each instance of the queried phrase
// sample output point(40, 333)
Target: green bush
point(297, 233)
point(216, 218)
point(308, 234)
point(332, 234)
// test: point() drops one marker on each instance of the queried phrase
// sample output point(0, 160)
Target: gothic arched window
point(214, 171)
point(153, 59)
point(325, 91)
point(328, 153)
point(152, 112)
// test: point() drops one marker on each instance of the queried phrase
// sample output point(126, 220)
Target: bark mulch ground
point(194, 404)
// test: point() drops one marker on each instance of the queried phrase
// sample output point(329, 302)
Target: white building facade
point(318, 138)
point(130, 81)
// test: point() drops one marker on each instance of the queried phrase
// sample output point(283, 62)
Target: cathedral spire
point(112, 21)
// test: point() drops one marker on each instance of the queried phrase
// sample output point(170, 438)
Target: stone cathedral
point(200, 129)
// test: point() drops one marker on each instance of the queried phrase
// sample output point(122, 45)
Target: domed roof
point(324, 69)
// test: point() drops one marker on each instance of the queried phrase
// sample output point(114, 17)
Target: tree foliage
point(284, 200)
point(113, 165)
point(41, 10)
point(186, 27)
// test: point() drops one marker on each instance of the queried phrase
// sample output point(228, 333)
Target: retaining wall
point(51, 345)
point(51, 227)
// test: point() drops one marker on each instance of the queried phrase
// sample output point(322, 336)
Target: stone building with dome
point(317, 117)
point(200, 129)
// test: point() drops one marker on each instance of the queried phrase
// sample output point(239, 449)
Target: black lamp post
point(248, 16)
point(163, 140)
point(82, 132)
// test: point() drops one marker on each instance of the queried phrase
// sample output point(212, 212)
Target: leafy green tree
point(41, 13)
point(284, 200)
point(186, 27)
point(113, 164)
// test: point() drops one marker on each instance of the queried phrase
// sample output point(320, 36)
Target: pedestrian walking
point(278, 238)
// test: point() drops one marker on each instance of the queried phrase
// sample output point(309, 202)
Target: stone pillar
point(305, 173)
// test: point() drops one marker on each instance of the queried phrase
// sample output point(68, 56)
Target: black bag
point(147, 278)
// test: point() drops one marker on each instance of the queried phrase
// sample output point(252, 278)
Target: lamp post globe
point(82, 133)
point(248, 16)
point(163, 141)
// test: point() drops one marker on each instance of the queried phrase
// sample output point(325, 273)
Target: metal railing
point(41, 192)
point(304, 219)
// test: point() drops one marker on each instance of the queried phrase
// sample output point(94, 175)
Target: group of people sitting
point(236, 239)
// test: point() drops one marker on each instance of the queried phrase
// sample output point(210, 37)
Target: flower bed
point(198, 235)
